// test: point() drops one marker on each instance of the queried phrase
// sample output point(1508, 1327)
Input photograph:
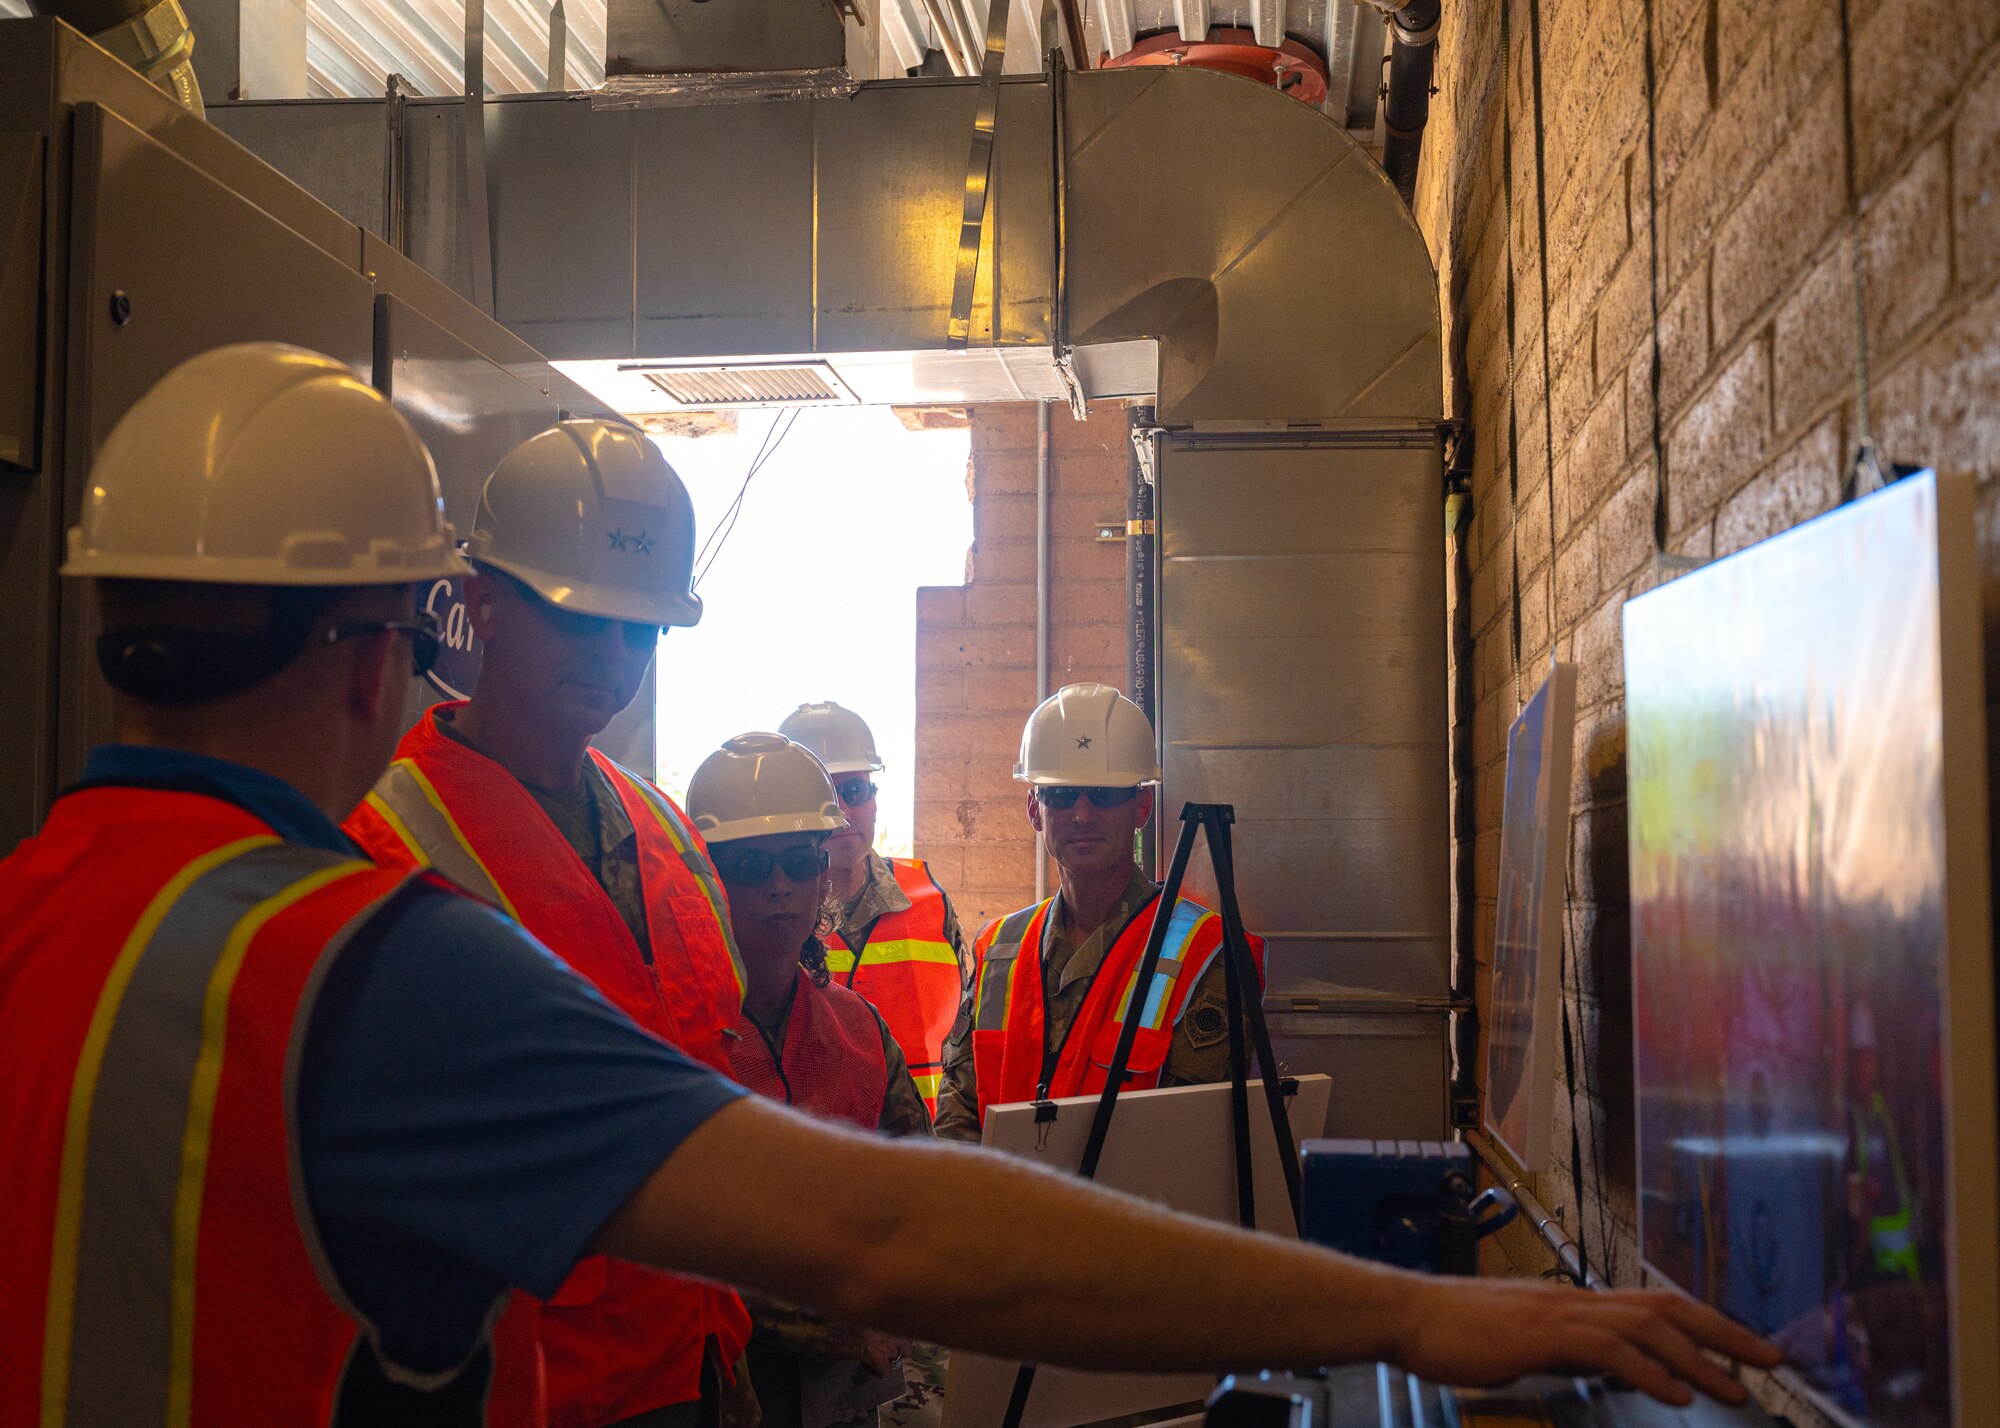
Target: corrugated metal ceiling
point(353, 46)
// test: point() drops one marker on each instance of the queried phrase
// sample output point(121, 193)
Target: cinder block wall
point(976, 644)
point(1750, 296)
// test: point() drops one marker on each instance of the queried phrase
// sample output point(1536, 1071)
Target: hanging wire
point(774, 437)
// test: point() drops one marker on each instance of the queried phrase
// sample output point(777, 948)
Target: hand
point(1481, 1332)
point(879, 1352)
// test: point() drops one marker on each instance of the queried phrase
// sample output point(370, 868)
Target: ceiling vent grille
point(750, 386)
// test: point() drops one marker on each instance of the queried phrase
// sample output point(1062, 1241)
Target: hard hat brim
point(260, 570)
point(604, 601)
point(767, 825)
point(847, 766)
point(1103, 780)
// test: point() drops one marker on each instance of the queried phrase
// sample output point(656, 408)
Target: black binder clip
point(1045, 1116)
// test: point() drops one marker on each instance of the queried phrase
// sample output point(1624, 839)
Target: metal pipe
point(1414, 26)
point(1139, 591)
point(1043, 463)
point(1546, 1225)
point(152, 36)
point(948, 39)
point(395, 200)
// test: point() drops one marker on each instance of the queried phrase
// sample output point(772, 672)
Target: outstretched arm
point(1041, 1266)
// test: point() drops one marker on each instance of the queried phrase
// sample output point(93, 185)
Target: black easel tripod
point(1240, 973)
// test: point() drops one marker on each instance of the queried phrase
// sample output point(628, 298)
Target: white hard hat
point(591, 516)
point(759, 784)
point(838, 737)
point(263, 464)
point(1090, 736)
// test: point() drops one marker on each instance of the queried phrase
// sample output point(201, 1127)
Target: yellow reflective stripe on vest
point(683, 839)
point(905, 949)
point(59, 1316)
point(200, 1131)
point(414, 809)
point(927, 1085)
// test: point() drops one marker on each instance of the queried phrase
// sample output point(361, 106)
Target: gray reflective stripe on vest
point(438, 841)
point(996, 970)
point(147, 1143)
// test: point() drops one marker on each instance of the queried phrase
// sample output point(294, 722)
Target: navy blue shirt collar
point(291, 814)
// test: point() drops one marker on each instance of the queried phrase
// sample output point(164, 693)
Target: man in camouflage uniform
point(1089, 753)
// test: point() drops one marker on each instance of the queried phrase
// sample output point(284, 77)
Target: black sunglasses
point(426, 638)
point(752, 867)
point(854, 791)
point(1099, 797)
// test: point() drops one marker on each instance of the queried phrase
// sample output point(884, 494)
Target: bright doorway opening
point(811, 593)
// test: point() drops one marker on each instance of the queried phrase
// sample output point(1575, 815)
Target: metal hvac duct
point(1247, 235)
point(1283, 307)
point(152, 36)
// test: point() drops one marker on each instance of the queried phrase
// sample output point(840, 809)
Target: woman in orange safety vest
point(766, 808)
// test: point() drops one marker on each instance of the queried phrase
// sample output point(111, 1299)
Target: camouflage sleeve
point(958, 1089)
point(774, 1324)
point(1199, 1055)
point(903, 1111)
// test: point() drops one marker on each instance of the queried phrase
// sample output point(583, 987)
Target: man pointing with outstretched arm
point(282, 1126)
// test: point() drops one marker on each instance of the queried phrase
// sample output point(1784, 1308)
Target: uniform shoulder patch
point(1208, 1020)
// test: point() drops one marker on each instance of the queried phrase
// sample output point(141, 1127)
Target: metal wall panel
point(22, 217)
point(1390, 1073)
point(730, 276)
point(434, 190)
point(888, 232)
point(336, 150)
point(237, 276)
point(1302, 680)
point(248, 254)
point(83, 72)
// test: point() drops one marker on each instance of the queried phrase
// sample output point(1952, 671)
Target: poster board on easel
point(1174, 1146)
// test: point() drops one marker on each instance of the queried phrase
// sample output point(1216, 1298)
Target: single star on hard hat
point(617, 538)
point(642, 543)
point(1084, 742)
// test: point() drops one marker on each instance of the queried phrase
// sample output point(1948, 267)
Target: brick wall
point(976, 644)
point(1754, 291)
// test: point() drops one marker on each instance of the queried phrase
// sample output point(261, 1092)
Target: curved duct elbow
point(1414, 26)
point(152, 36)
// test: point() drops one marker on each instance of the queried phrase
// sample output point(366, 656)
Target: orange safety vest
point(831, 1063)
point(160, 952)
point(1008, 1038)
point(618, 1339)
point(909, 970)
